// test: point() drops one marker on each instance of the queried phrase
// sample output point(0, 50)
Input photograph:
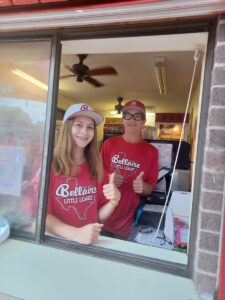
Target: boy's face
point(136, 123)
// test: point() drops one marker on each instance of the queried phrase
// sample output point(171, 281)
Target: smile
point(82, 138)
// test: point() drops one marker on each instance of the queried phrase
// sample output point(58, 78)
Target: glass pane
point(23, 97)
point(155, 224)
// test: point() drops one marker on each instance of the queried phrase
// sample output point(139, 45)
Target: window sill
point(143, 250)
point(137, 249)
point(31, 271)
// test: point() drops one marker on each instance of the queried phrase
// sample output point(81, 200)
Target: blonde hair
point(63, 156)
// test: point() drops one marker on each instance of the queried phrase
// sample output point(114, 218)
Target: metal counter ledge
point(37, 272)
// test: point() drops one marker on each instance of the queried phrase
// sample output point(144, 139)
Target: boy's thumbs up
point(138, 184)
point(118, 178)
point(117, 170)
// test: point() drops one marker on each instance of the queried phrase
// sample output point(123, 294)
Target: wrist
point(147, 189)
point(114, 203)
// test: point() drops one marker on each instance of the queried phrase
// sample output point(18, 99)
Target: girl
point(78, 201)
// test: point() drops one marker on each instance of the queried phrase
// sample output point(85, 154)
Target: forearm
point(86, 234)
point(105, 211)
point(57, 227)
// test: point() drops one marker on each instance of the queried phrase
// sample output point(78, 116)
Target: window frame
point(29, 37)
point(119, 31)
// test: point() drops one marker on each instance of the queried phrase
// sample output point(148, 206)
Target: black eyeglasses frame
point(128, 116)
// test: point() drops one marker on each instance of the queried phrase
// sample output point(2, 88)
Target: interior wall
point(193, 121)
point(100, 132)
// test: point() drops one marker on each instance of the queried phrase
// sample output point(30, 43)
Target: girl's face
point(83, 130)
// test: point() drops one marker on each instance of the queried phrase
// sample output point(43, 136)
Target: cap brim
point(98, 118)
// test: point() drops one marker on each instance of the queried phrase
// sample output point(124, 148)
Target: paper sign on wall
point(11, 170)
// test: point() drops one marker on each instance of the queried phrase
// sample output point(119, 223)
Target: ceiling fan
point(82, 72)
point(118, 107)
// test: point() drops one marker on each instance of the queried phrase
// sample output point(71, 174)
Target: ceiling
point(136, 79)
point(133, 59)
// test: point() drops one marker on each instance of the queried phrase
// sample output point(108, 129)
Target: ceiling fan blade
point(66, 76)
point(102, 71)
point(93, 81)
point(68, 68)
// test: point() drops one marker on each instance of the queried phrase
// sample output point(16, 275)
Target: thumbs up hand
point(118, 180)
point(138, 183)
point(111, 192)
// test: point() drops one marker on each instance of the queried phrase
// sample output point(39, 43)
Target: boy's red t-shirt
point(129, 159)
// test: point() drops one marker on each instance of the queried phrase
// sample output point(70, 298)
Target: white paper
point(165, 154)
point(147, 239)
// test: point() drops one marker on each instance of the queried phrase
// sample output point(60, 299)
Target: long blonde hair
point(63, 156)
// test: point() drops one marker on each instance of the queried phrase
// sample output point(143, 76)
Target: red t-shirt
point(130, 159)
point(75, 201)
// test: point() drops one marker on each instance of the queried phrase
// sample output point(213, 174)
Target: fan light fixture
point(118, 107)
point(83, 73)
point(160, 70)
point(29, 78)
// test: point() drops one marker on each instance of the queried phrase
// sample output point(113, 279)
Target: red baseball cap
point(134, 104)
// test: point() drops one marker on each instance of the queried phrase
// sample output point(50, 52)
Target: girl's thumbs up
point(111, 178)
point(140, 175)
point(111, 192)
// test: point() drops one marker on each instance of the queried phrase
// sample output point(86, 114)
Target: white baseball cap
point(83, 109)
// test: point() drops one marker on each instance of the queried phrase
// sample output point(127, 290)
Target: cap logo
point(133, 103)
point(84, 107)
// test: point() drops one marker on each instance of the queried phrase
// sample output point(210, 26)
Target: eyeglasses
point(136, 116)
